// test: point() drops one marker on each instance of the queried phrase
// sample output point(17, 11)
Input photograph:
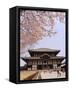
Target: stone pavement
point(51, 75)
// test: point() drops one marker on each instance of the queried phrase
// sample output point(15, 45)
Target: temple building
point(43, 59)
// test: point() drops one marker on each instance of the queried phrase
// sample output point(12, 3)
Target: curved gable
point(45, 56)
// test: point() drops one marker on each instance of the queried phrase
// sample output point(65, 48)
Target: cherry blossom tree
point(34, 25)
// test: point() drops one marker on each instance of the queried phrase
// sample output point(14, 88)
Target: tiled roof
point(31, 58)
point(57, 57)
point(44, 50)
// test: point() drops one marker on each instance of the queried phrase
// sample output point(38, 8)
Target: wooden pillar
point(42, 64)
point(47, 63)
point(37, 64)
point(32, 65)
point(57, 62)
point(27, 65)
point(52, 63)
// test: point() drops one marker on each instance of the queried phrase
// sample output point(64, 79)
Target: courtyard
point(41, 74)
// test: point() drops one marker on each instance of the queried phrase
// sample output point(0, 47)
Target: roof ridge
point(43, 49)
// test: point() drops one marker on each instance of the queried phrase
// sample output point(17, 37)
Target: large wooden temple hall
point(43, 59)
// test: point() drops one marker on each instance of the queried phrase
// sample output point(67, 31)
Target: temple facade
point(43, 59)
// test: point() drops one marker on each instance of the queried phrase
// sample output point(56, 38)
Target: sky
point(55, 42)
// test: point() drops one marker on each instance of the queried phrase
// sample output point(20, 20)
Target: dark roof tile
point(44, 50)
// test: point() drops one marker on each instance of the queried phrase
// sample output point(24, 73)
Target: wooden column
point(37, 64)
point(32, 65)
point(27, 65)
point(52, 63)
point(42, 64)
